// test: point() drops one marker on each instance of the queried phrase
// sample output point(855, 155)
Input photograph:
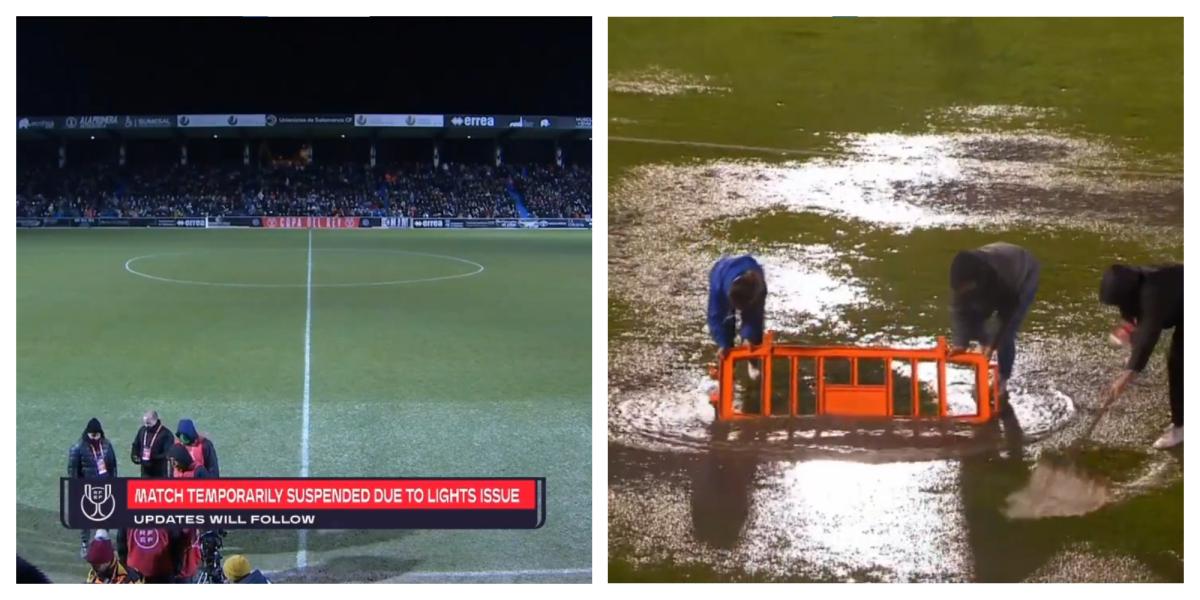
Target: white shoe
point(753, 370)
point(1173, 437)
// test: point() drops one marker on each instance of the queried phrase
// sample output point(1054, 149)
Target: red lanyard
point(97, 456)
point(157, 430)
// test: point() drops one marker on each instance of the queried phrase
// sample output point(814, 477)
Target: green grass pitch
point(479, 365)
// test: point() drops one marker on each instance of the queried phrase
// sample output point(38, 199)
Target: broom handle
point(1087, 433)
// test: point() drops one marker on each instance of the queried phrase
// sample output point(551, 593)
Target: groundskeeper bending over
point(1151, 300)
point(999, 280)
point(736, 286)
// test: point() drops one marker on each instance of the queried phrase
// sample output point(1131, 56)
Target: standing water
point(853, 158)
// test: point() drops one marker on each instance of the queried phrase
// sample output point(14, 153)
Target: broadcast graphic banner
point(300, 503)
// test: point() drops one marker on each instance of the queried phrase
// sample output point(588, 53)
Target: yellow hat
point(236, 567)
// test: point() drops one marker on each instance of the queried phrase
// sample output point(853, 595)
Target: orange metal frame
point(854, 399)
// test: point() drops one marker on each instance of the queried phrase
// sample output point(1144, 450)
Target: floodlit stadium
point(322, 295)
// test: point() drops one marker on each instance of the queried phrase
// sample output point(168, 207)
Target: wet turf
point(854, 157)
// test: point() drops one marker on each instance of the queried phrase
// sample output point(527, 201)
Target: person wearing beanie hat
point(105, 566)
point(201, 449)
point(998, 280)
point(91, 457)
point(237, 570)
point(1151, 300)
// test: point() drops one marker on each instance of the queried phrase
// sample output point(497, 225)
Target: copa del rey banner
point(303, 503)
point(311, 222)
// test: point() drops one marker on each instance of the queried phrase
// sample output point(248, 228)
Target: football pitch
point(414, 353)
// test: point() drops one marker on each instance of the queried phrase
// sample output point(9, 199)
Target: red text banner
point(305, 503)
point(332, 494)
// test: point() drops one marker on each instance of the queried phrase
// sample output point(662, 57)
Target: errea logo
point(479, 121)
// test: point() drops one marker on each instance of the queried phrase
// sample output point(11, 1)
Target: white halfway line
point(302, 552)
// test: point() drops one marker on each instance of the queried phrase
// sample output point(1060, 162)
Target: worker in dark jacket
point(150, 446)
point(89, 458)
point(1151, 299)
point(202, 451)
point(997, 280)
point(183, 467)
point(736, 285)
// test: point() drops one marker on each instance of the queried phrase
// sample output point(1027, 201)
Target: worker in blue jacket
point(736, 287)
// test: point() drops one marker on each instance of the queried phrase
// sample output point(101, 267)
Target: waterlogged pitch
point(428, 354)
point(853, 158)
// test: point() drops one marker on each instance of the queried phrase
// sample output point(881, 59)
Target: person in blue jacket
point(736, 287)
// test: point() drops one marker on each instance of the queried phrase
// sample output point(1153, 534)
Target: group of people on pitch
point(155, 554)
point(996, 284)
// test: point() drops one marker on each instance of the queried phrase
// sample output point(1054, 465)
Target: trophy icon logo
point(97, 502)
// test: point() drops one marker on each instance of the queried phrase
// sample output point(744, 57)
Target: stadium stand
point(348, 189)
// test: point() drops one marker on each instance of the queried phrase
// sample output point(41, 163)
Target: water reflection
point(831, 499)
point(721, 493)
point(1000, 549)
point(899, 520)
point(809, 290)
point(657, 80)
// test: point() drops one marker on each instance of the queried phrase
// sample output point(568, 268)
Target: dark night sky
point(318, 65)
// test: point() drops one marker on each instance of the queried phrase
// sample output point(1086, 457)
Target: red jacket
point(150, 552)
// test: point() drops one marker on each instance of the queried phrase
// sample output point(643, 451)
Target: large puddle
point(855, 246)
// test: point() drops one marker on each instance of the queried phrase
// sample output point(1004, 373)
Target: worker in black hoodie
point(997, 280)
point(89, 458)
point(1151, 299)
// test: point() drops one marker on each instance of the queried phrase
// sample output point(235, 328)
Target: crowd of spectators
point(554, 192)
point(454, 190)
point(409, 190)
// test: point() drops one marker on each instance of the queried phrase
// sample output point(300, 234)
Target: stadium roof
point(189, 65)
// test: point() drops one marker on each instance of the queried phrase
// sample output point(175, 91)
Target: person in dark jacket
point(202, 451)
point(736, 286)
point(1151, 299)
point(183, 465)
point(89, 458)
point(27, 572)
point(238, 570)
point(997, 280)
point(150, 446)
